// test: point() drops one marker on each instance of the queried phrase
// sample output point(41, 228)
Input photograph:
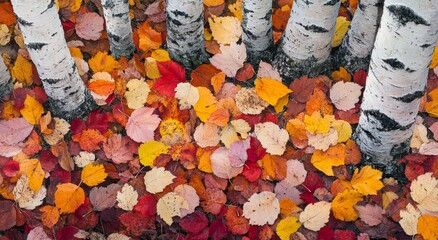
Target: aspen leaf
point(170, 205)
point(432, 106)
point(225, 30)
point(323, 141)
point(25, 197)
point(345, 95)
point(187, 95)
point(142, 124)
point(206, 104)
point(137, 93)
point(217, 81)
point(343, 205)
point(267, 71)
point(149, 39)
point(101, 86)
point(50, 215)
point(315, 215)
point(248, 102)
point(236, 9)
point(372, 215)
point(62, 127)
point(206, 135)
point(89, 139)
point(32, 110)
point(341, 75)
point(241, 126)
point(288, 207)
point(367, 180)
point(424, 191)
point(387, 198)
point(102, 198)
point(286, 227)
point(22, 70)
point(409, 219)
point(296, 174)
point(68, 197)
point(93, 174)
point(344, 130)
point(102, 62)
point(157, 179)
point(296, 128)
point(434, 62)
point(316, 123)
point(341, 29)
point(12, 132)
point(231, 58)
point(160, 55)
point(127, 198)
point(84, 158)
point(428, 227)
point(262, 208)
point(150, 150)
point(275, 167)
point(35, 173)
point(151, 66)
point(430, 148)
point(271, 90)
point(189, 194)
point(325, 161)
point(272, 137)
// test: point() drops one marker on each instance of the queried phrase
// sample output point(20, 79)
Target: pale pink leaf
point(37, 234)
point(221, 164)
point(284, 189)
point(370, 214)
point(296, 174)
point(102, 198)
point(12, 132)
point(345, 95)
point(117, 149)
point(267, 71)
point(142, 124)
point(237, 152)
point(230, 59)
point(207, 135)
point(189, 194)
point(434, 130)
point(89, 26)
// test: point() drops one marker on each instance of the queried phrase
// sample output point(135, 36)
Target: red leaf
point(11, 168)
point(302, 89)
point(194, 223)
point(147, 205)
point(40, 95)
point(98, 121)
point(235, 221)
point(67, 233)
point(218, 230)
point(345, 235)
point(136, 223)
point(8, 215)
point(326, 233)
point(360, 77)
point(19, 95)
point(48, 160)
point(256, 151)
point(77, 126)
point(171, 74)
point(251, 171)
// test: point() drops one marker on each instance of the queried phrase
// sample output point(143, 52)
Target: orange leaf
point(68, 197)
point(35, 173)
point(50, 215)
point(32, 145)
point(203, 154)
point(319, 102)
point(296, 128)
point(44, 121)
point(102, 62)
point(274, 167)
point(428, 227)
point(220, 117)
point(93, 174)
point(89, 139)
point(217, 81)
point(9, 111)
point(288, 208)
point(343, 205)
point(22, 70)
point(280, 17)
point(203, 74)
point(353, 155)
point(325, 161)
point(206, 104)
point(213, 3)
point(341, 75)
point(102, 87)
point(149, 38)
point(7, 15)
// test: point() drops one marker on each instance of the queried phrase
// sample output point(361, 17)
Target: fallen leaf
point(102, 198)
point(323, 141)
point(236, 223)
point(206, 104)
point(25, 197)
point(225, 30)
point(7, 15)
point(315, 215)
point(325, 161)
point(149, 39)
point(341, 75)
point(248, 102)
point(286, 227)
point(102, 62)
point(367, 180)
point(231, 58)
point(262, 208)
point(69, 197)
point(272, 137)
point(343, 205)
point(50, 215)
point(149, 151)
point(35, 173)
point(157, 179)
point(267, 71)
point(127, 197)
point(170, 205)
point(187, 95)
point(194, 223)
point(222, 165)
point(341, 29)
point(409, 219)
point(371, 215)
point(213, 3)
point(189, 194)
point(89, 26)
point(206, 135)
point(89, 139)
point(317, 124)
point(142, 124)
point(93, 174)
point(117, 149)
point(345, 95)
point(8, 213)
point(12, 132)
point(270, 90)
point(428, 227)
point(137, 93)
point(424, 191)
point(32, 110)
point(22, 70)
point(171, 75)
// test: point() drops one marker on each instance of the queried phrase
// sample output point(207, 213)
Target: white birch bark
point(118, 27)
point(185, 32)
point(5, 79)
point(306, 42)
point(257, 29)
point(355, 51)
point(397, 80)
point(44, 39)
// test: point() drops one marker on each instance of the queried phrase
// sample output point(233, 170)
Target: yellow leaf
point(341, 75)
point(151, 66)
point(160, 55)
point(150, 150)
point(343, 205)
point(213, 3)
point(288, 207)
point(32, 110)
point(428, 227)
point(34, 172)
point(236, 9)
point(286, 227)
point(75, 5)
point(432, 106)
point(206, 104)
point(102, 62)
point(434, 62)
point(9, 111)
point(325, 161)
point(367, 181)
point(342, 25)
point(281, 104)
point(22, 70)
point(317, 124)
point(225, 30)
point(344, 130)
point(296, 128)
point(271, 90)
point(50, 216)
point(93, 174)
point(68, 197)
point(76, 52)
point(387, 198)
point(203, 154)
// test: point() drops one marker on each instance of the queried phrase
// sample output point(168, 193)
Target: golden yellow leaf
point(150, 150)
point(317, 124)
point(213, 3)
point(296, 128)
point(343, 205)
point(9, 111)
point(288, 207)
point(286, 227)
point(34, 172)
point(93, 174)
point(281, 104)
point(206, 104)
point(75, 5)
point(32, 110)
point(344, 130)
point(342, 25)
point(387, 198)
point(22, 70)
point(68, 197)
point(341, 75)
point(160, 55)
point(50, 216)
point(151, 66)
point(236, 9)
point(76, 52)
point(102, 62)
point(432, 106)
point(367, 181)
point(325, 161)
point(203, 154)
point(225, 30)
point(428, 227)
point(434, 62)
point(271, 90)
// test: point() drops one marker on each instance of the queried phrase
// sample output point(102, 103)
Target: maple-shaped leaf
point(189, 194)
point(127, 197)
point(171, 74)
point(50, 215)
point(286, 227)
point(102, 198)
point(25, 197)
point(371, 215)
point(343, 205)
point(68, 197)
point(170, 205)
point(409, 219)
point(315, 215)
point(428, 227)
point(271, 90)
point(89, 26)
point(272, 137)
point(150, 150)
point(230, 59)
point(22, 70)
point(345, 95)
point(367, 181)
point(424, 191)
point(147, 205)
point(262, 208)
point(325, 161)
point(142, 124)
point(117, 149)
point(157, 179)
point(12, 132)
point(225, 30)
point(93, 174)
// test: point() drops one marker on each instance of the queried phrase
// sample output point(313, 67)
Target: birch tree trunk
point(306, 42)
point(257, 30)
point(355, 51)
point(44, 38)
point(185, 32)
point(5, 79)
point(397, 80)
point(118, 27)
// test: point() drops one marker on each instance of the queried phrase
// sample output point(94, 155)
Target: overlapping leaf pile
point(215, 155)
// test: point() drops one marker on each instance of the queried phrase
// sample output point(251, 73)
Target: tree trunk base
point(190, 60)
point(5, 88)
point(254, 57)
point(345, 58)
point(291, 69)
point(126, 51)
point(82, 110)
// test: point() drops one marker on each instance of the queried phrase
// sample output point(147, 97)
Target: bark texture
point(118, 27)
point(355, 51)
point(5, 80)
point(44, 39)
point(257, 30)
point(185, 32)
point(397, 80)
point(306, 42)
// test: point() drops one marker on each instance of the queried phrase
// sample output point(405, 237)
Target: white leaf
point(230, 59)
point(323, 141)
point(187, 95)
point(430, 148)
point(84, 158)
point(424, 191)
point(157, 179)
point(409, 219)
point(261, 208)
point(170, 205)
point(419, 136)
point(271, 137)
point(206, 135)
point(345, 94)
point(25, 197)
point(296, 174)
point(137, 93)
point(315, 215)
point(248, 102)
point(127, 198)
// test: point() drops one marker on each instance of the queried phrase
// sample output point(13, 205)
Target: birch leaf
point(428, 227)
point(344, 130)
point(230, 59)
point(12, 132)
point(323, 141)
point(25, 197)
point(93, 174)
point(286, 227)
point(325, 161)
point(343, 205)
point(102, 198)
point(225, 30)
point(102, 62)
point(315, 215)
point(50, 216)
point(127, 198)
point(248, 102)
point(22, 70)
point(409, 219)
point(137, 94)
point(296, 173)
point(315, 123)
point(170, 205)
point(68, 197)
point(367, 180)
point(262, 208)
point(431, 107)
point(32, 110)
point(267, 71)
point(424, 191)
point(150, 150)
point(187, 95)
point(157, 179)
point(345, 94)
point(271, 90)
point(273, 138)
point(221, 164)
point(341, 29)
point(189, 194)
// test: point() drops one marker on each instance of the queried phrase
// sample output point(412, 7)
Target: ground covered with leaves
point(220, 151)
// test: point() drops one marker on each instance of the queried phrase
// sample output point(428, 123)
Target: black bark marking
point(331, 3)
point(51, 80)
point(175, 22)
point(180, 13)
point(109, 4)
point(113, 36)
point(35, 45)
point(394, 63)
point(313, 28)
point(307, 2)
point(404, 14)
point(362, 7)
point(386, 123)
point(410, 97)
point(23, 22)
point(425, 46)
point(371, 136)
point(51, 4)
point(119, 15)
